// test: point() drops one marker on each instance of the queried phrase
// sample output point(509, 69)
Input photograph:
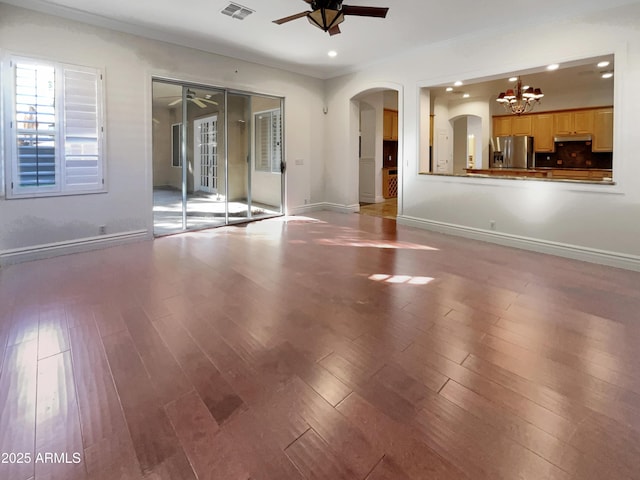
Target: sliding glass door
point(217, 157)
point(204, 130)
point(267, 165)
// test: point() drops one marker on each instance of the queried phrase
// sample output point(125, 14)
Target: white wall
point(576, 219)
point(577, 98)
point(129, 62)
point(390, 99)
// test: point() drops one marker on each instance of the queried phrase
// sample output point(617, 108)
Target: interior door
point(442, 148)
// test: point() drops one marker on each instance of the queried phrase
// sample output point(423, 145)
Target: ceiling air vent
point(237, 11)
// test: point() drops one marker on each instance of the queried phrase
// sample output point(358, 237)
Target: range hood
point(573, 138)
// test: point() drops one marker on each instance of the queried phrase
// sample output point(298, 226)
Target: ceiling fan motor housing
point(325, 18)
point(328, 4)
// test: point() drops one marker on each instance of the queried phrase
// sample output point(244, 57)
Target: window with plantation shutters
point(268, 141)
point(56, 131)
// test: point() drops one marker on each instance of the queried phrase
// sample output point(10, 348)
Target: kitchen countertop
point(588, 174)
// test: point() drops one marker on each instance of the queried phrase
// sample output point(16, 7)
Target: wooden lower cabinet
point(390, 182)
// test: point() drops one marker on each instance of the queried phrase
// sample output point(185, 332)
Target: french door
point(205, 144)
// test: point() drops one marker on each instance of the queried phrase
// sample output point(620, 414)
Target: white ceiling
point(298, 46)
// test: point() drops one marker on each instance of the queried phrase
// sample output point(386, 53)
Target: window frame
point(12, 189)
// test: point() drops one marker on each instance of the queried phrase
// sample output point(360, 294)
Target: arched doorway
point(378, 151)
point(467, 143)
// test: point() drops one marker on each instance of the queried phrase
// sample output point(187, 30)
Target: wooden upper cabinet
point(542, 130)
point(597, 122)
point(603, 130)
point(583, 121)
point(390, 125)
point(576, 122)
point(394, 126)
point(502, 126)
point(521, 125)
point(511, 125)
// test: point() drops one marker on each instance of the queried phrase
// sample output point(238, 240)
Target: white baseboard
point(308, 208)
point(316, 207)
point(37, 252)
point(368, 198)
point(576, 252)
point(336, 207)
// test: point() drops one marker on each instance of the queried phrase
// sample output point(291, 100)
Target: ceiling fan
point(199, 101)
point(328, 14)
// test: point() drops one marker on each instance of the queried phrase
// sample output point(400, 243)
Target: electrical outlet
point(102, 229)
point(492, 224)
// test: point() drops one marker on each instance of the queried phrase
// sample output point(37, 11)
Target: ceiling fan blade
point(380, 12)
point(334, 30)
point(292, 17)
point(175, 102)
point(199, 103)
point(208, 101)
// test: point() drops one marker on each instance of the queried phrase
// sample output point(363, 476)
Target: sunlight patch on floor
point(408, 279)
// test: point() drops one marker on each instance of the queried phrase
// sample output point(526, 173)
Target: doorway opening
point(378, 153)
point(216, 160)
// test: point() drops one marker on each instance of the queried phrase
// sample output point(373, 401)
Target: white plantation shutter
point(34, 127)
point(268, 139)
point(276, 140)
point(82, 164)
point(262, 123)
point(56, 129)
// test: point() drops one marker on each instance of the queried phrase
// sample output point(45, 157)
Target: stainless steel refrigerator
point(511, 152)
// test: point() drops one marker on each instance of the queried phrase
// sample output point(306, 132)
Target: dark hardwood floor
point(338, 347)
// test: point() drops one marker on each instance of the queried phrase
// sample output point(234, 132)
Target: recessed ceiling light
point(513, 79)
point(332, 53)
point(553, 66)
point(466, 95)
point(603, 64)
point(607, 75)
point(449, 89)
point(457, 84)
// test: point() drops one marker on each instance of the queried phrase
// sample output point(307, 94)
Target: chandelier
point(521, 100)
